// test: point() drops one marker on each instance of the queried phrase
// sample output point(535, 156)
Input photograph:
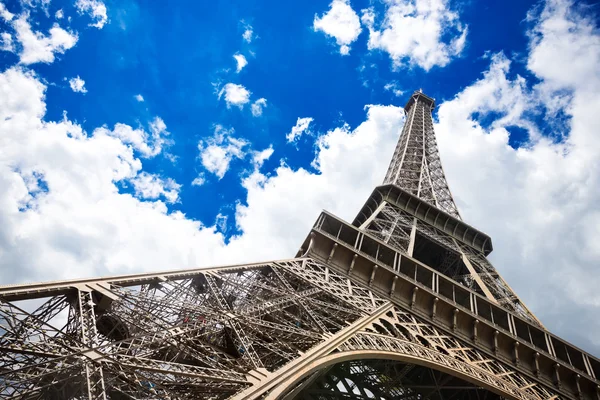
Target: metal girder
point(184, 347)
point(168, 336)
point(399, 229)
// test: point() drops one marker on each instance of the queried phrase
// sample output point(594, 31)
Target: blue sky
point(178, 56)
point(135, 140)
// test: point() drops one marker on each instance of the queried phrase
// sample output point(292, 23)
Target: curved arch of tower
point(399, 303)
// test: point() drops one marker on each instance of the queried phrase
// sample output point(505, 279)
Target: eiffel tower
point(402, 303)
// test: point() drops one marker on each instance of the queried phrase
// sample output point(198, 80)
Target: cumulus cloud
point(257, 107)
point(248, 34)
point(199, 180)
point(139, 98)
point(5, 14)
point(394, 87)
point(37, 47)
point(259, 157)
point(96, 9)
point(77, 85)
point(62, 211)
point(6, 42)
point(147, 144)
point(59, 14)
point(424, 33)
point(278, 204)
point(300, 128)
point(240, 61)
point(235, 94)
point(340, 22)
point(150, 186)
point(560, 29)
point(217, 151)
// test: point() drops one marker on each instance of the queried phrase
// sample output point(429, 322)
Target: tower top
point(416, 166)
point(419, 96)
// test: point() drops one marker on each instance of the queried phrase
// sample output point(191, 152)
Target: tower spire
point(416, 166)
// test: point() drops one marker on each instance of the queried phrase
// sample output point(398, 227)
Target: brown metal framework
point(416, 166)
point(400, 304)
point(416, 170)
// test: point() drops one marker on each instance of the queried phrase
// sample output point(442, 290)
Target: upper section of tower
point(416, 166)
point(419, 96)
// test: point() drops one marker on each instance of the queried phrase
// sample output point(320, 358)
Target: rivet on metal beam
point(375, 266)
point(352, 264)
point(454, 319)
point(393, 289)
point(434, 308)
point(335, 245)
point(414, 297)
point(496, 333)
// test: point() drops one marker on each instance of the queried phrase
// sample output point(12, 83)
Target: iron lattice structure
point(417, 169)
point(416, 166)
point(400, 304)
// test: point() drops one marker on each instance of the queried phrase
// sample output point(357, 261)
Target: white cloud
point(248, 34)
point(241, 62)
point(279, 205)
point(5, 14)
point(43, 4)
point(340, 22)
point(258, 106)
point(139, 98)
point(216, 159)
point(300, 128)
point(394, 87)
point(96, 9)
point(259, 157)
point(62, 213)
point(148, 145)
point(149, 186)
point(6, 42)
point(36, 47)
point(217, 152)
point(426, 33)
point(59, 14)
point(235, 94)
point(221, 222)
point(562, 31)
point(77, 85)
point(199, 180)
